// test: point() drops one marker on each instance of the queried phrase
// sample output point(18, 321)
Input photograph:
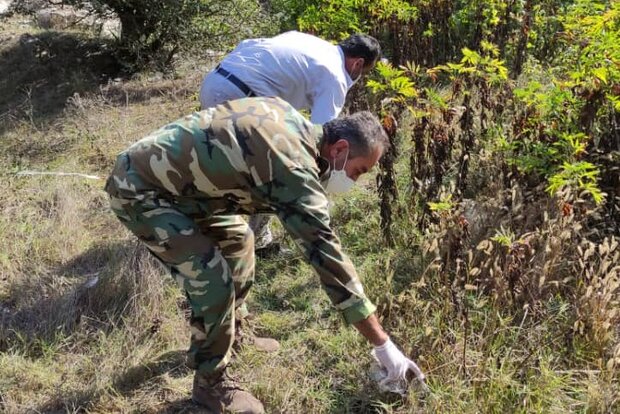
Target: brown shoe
point(261, 344)
point(245, 336)
point(222, 394)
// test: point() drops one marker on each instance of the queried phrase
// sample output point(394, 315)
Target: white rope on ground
point(59, 173)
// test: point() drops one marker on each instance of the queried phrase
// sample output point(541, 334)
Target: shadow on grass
point(360, 402)
point(127, 383)
point(171, 363)
point(185, 406)
point(44, 74)
point(350, 403)
point(91, 262)
point(40, 73)
point(353, 403)
point(90, 292)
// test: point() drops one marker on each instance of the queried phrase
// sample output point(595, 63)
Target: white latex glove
point(396, 364)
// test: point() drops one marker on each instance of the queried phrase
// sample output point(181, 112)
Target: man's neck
point(348, 65)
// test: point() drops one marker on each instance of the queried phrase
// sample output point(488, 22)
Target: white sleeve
point(327, 101)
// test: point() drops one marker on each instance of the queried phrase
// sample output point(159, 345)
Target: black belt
point(235, 80)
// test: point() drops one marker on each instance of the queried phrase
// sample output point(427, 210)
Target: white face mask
point(338, 181)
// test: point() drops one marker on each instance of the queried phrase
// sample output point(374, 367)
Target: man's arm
point(371, 329)
point(301, 205)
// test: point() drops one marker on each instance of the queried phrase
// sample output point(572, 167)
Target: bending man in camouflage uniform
point(182, 189)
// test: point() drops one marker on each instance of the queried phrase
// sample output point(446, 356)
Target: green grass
point(118, 346)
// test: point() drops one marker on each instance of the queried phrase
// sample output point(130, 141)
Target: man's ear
point(338, 147)
point(358, 66)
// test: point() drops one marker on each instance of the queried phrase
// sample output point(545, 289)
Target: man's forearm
point(371, 329)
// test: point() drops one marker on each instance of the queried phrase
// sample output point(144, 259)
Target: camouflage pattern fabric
point(221, 90)
point(182, 190)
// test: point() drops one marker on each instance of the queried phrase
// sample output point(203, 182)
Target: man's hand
point(396, 363)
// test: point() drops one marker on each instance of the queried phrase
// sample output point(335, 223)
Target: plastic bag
point(379, 375)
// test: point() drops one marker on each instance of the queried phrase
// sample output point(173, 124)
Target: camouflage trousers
point(212, 259)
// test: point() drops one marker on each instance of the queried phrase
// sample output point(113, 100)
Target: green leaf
point(601, 73)
point(579, 176)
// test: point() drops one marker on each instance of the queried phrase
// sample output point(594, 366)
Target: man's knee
point(234, 236)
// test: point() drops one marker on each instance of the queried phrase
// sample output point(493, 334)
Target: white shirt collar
point(347, 77)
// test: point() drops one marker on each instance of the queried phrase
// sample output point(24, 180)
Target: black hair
point(362, 130)
point(362, 46)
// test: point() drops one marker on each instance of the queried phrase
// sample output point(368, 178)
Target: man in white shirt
point(304, 70)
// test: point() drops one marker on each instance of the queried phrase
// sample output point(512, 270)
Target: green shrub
point(153, 32)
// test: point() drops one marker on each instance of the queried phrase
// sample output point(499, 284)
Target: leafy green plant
point(581, 176)
point(444, 205)
point(485, 65)
point(558, 132)
point(153, 32)
point(337, 19)
point(593, 51)
point(392, 84)
point(504, 237)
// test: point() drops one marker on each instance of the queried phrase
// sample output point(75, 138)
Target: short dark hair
point(362, 130)
point(364, 46)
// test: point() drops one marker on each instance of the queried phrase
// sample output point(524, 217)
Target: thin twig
point(579, 371)
point(517, 336)
point(441, 366)
point(59, 173)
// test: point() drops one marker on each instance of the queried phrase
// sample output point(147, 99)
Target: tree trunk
point(522, 45)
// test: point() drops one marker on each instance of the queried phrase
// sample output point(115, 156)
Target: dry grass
point(89, 323)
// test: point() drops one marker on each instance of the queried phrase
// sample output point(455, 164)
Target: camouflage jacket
point(243, 157)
